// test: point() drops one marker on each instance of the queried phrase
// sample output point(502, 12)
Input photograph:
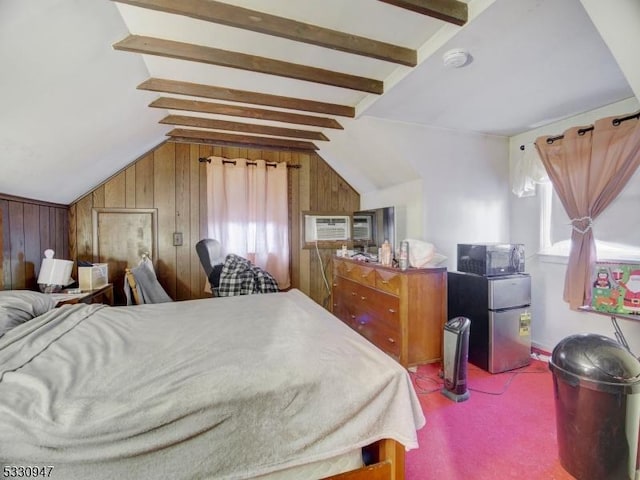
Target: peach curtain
point(248, 212)
point(589, 167)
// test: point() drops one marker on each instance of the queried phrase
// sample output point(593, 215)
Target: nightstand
point(99, 295)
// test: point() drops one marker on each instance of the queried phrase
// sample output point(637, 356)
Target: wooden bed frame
point(388, 456)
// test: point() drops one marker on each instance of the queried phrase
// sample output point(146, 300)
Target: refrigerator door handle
point(515, 307)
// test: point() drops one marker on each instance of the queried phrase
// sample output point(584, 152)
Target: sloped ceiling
point(71, 116)
point(76, 91)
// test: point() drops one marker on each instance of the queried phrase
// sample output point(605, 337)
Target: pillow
point(420, 252)
point(19, 306)
point(436, 261)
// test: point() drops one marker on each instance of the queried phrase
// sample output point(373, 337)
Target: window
point(616, 230)
point(247, 212)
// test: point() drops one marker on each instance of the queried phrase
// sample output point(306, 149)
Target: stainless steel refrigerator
point(499, 311)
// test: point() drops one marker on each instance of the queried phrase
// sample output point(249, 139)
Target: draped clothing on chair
point(240, 277)
point(147, 285)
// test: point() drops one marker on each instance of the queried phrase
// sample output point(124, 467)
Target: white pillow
point(19, 306)
point(420, 252)
point(436, 261)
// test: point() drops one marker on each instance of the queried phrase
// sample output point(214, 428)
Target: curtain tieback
point(582, 220)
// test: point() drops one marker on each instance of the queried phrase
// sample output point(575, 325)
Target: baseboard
point(541, 354)
point(540, 351)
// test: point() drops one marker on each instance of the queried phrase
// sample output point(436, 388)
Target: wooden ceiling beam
point(218, 138)
point(243, 61)
point(233, 16)
point(451, 11)
point(241, 127)
point(231, 143)
point(246, 112)
point(244, 96)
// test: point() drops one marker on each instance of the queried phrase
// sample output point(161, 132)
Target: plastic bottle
point(386, 253)
point(403, 257)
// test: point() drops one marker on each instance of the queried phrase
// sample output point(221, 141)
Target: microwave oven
point(491, 259)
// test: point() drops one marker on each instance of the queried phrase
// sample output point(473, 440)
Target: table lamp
point(55, 273)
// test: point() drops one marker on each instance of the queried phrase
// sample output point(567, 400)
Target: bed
point(258, 386)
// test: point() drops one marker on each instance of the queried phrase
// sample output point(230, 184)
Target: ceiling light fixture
point(456, 58)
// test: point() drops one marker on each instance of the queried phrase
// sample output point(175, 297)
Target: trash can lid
point(596, 358)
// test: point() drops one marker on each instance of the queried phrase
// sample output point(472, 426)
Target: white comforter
point(221, 388)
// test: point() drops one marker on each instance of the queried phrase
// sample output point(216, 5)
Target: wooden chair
point(131, 280)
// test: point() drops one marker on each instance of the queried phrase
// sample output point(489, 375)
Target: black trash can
point(596, 384)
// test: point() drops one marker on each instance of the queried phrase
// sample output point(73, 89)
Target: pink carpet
point(505, 430)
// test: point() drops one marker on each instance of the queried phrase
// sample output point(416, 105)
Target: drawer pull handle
point(364, 275)
point(353, 317)
point(391, 340)
point(363, 298)
point(386, 282)
point(353, 293)
point(363, 322)
point(391, 310)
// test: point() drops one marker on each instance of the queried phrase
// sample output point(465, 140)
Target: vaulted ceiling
point(89, 85)
point(284, 59)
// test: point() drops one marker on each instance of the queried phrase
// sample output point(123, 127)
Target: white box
point(91, 278)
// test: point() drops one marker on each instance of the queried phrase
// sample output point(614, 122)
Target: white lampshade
point(54, 273)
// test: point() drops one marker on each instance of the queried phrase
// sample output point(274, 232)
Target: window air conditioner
point(327, 228)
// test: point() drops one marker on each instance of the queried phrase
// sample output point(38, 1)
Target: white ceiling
point(72, 115)
point(534, 62)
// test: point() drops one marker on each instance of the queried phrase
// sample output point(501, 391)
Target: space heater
point(455, 355)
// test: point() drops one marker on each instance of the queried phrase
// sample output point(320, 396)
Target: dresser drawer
point(378, 333)
point(346, 300)
point(390, 282)
point(341, 267)
point(353, 291)
point(340, 301)
point(367, 301)
point(362, 274)
point(380, 305)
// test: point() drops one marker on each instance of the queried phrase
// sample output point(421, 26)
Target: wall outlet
point(177, 239)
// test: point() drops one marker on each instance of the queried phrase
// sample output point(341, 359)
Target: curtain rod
point(615, 122)
point(581, 132)
point(268, 164)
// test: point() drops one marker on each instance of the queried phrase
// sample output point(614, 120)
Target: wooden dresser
point(403, 313)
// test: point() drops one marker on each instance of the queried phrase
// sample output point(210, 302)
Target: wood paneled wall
point(172, 180)
point(27, 228)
